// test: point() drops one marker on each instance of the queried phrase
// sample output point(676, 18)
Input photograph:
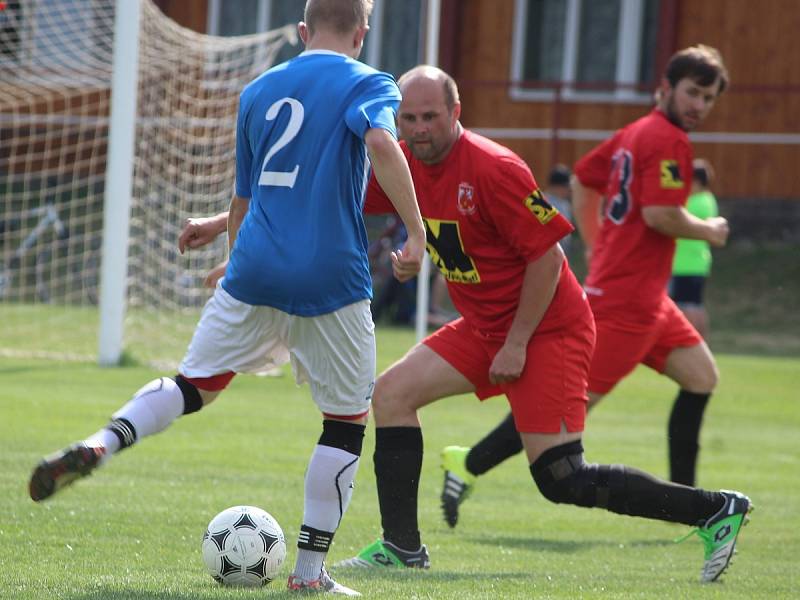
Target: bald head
point(427, 75)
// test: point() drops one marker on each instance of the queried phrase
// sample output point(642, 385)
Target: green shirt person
point(693, 257)
point(692, 263)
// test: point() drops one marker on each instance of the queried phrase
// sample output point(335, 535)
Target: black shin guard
point(684, 435)
point(398, 463)
point(345, 436)
point(563, 477)
point(192, 401)
point(501, 443)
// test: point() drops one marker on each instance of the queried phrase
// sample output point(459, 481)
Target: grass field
point(133, 530)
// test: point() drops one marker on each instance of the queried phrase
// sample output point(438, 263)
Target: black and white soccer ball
point(244, 546)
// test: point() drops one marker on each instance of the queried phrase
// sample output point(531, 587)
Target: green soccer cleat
point(720, 532)
point(458, 482)
point(386, 554)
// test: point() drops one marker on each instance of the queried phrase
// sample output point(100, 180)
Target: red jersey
point(647, 163)
point(485, 220)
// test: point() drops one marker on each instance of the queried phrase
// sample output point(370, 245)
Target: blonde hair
point(339, 16)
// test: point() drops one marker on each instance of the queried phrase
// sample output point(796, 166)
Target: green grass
point(133, 530)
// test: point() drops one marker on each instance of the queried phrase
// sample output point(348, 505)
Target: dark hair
point(339, 16)
point(702, 172)
point(559, 175)
point(703, 64)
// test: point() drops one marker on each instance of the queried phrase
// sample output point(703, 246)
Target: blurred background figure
point(692, 264)
point(558, 194)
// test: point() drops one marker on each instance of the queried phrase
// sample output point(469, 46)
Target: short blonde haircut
point(338, 16)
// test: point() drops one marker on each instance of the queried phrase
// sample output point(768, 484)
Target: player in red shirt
point(644, 172)
point(526, 331)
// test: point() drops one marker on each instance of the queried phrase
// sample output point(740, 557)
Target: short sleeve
point(665, 174)
point(244, 154)
point(520, 211)
point(375, 106)
point(593, 168)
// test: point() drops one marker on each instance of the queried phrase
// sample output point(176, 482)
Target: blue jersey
point(301, 159)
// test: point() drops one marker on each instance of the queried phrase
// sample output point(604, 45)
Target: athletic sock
point(684, 435)
point(398, 463)
point(499, 444)
point(328, 490)
point(151, 410)
point(563, 476)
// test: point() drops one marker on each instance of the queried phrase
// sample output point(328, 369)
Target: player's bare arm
point(391, 171)
point(586, 205)
point(677, 222)
point(197, 232)
point(538, 288)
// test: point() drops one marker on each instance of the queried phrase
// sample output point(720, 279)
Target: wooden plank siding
point(761, 50)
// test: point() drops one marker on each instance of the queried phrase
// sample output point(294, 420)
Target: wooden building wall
point(761, 51)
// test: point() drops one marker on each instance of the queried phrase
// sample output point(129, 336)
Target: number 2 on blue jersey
point(282, 178)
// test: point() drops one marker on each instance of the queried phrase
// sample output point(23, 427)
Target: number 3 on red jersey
point(621, 173)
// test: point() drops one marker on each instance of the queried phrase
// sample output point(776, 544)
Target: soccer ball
point(243, 546)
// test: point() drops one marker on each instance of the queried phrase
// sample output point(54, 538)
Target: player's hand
point(508, 363)
point(718, 231)
point(407, 262)
point(197, 233)
point(215, 274)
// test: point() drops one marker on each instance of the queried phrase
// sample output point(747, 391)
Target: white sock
point(151, 410)
point(328, 489)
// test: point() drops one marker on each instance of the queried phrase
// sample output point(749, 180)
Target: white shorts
point(334, 352)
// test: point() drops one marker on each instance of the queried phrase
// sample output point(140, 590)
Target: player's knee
point(392, 394)
point(563, 477)
point(199, 391)
point(705, 379)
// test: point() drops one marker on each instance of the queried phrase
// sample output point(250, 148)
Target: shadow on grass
point(563, 546)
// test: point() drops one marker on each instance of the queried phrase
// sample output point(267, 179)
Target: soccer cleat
point(386, 554)
point(324, 584)
point(720, 532)
point(63, 468)
point(458, 482)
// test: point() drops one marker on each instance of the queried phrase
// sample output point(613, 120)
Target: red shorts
point(622, 344)
point(552, 387)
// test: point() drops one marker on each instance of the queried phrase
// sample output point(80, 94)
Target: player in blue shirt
point(297, 287)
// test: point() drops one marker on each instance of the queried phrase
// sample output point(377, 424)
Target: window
point(392, 45)
point(593, 49)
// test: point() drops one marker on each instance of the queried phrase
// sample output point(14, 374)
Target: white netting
point(55, 74)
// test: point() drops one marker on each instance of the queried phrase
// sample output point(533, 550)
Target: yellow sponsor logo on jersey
point(670, 175)
point(541, 208)
point(447, 251)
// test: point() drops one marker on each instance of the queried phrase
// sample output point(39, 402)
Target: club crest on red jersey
point(466, 199)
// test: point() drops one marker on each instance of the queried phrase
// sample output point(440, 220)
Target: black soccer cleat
point(63, 468)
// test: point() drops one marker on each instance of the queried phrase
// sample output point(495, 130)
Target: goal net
point(55, 80)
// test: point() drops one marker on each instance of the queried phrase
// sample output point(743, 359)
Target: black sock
point(499, 444)
point(398, 463)
point(684, 435)
point(562, 476)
